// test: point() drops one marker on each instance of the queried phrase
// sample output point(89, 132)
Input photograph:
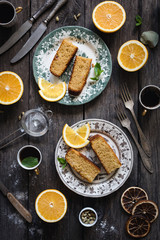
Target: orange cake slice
point(105, 153)
point(63, 57)
point(82, 165)
point(79, 75)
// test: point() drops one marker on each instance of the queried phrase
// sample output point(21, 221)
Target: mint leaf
point(97, 71)
point(30, 162)
point(62, 161)
point(95, 78)
point(64, 165)
point(138, 20)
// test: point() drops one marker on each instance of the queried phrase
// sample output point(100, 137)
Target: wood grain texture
point(27, 185)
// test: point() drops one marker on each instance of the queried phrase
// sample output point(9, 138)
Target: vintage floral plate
point(103, 184)
point(89, 45)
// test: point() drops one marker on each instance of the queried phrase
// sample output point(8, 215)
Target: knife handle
point(22, 210)
point(59, 4)
point(47, 5)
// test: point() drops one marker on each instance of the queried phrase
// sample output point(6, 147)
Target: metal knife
point(25, 27)
point(37, 33)
point(22, 210)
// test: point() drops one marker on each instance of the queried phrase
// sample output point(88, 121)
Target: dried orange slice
point(51, 205)
point(132, 55)
point(11, 88)
point(147, 209)
point(131, 196)
point(137, 226)
point(109, 16)
point(72, 138)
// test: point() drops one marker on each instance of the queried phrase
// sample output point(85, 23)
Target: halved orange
point(51, 205)
point(11, 88)
point(109, 16)
point(131, 196)
point(72, 138)
point(132, 55)
point(147, 209)
point(138, 226)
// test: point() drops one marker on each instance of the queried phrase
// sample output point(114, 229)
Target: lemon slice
point(51, 92)
point(72, 138)
point(132, 55)
point(84, 131)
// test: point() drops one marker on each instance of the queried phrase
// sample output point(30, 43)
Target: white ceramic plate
point(103, 184)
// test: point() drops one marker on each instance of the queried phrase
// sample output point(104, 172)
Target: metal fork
point(126, 123)
point(128, 102)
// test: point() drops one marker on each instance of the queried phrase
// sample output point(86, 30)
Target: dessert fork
point(126, 123)
point(128, 102)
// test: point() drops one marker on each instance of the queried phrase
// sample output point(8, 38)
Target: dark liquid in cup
point(150, 97)
point(29, 151)
point(6, 13)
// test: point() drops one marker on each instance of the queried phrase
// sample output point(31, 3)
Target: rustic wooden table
point(26, 185)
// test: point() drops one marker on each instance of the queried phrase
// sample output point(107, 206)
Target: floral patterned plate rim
point(89, 45)
point(103, 184)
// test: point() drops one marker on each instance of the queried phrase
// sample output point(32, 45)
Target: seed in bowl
point(88, 217)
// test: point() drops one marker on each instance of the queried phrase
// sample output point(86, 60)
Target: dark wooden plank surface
point(26, 186)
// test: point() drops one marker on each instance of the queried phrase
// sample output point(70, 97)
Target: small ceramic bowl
point(88, 217)
point(29, 151)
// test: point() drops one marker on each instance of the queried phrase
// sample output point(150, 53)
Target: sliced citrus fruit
point(11, 88)
point(51, 205)
point(147, 209)
point(43, 84)
point(51, 92)
point(72, 138)
point(131, 196)
point(137, 226)
point(108, 16)
point(84, 131)
point(132, 55)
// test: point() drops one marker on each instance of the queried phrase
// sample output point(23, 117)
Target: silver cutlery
point(126, 123)
point(25, 27)
point(37, 33)
point(128, 102)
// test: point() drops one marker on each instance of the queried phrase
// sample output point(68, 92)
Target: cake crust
point(82, 165)
point(62, 58)
point(105, 153)
point(79, 75)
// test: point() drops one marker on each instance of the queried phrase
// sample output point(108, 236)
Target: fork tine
point(119, 117)
point(127, 90)
point(125, 93)
point(124, 115)
point(118, 114)
point(123, 98)
point(121, 112)
point(122, 93)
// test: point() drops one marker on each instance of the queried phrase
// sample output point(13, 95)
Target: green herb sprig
point(30, 162)
point(62, 161)
point(138, 20)
point(97, 71)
